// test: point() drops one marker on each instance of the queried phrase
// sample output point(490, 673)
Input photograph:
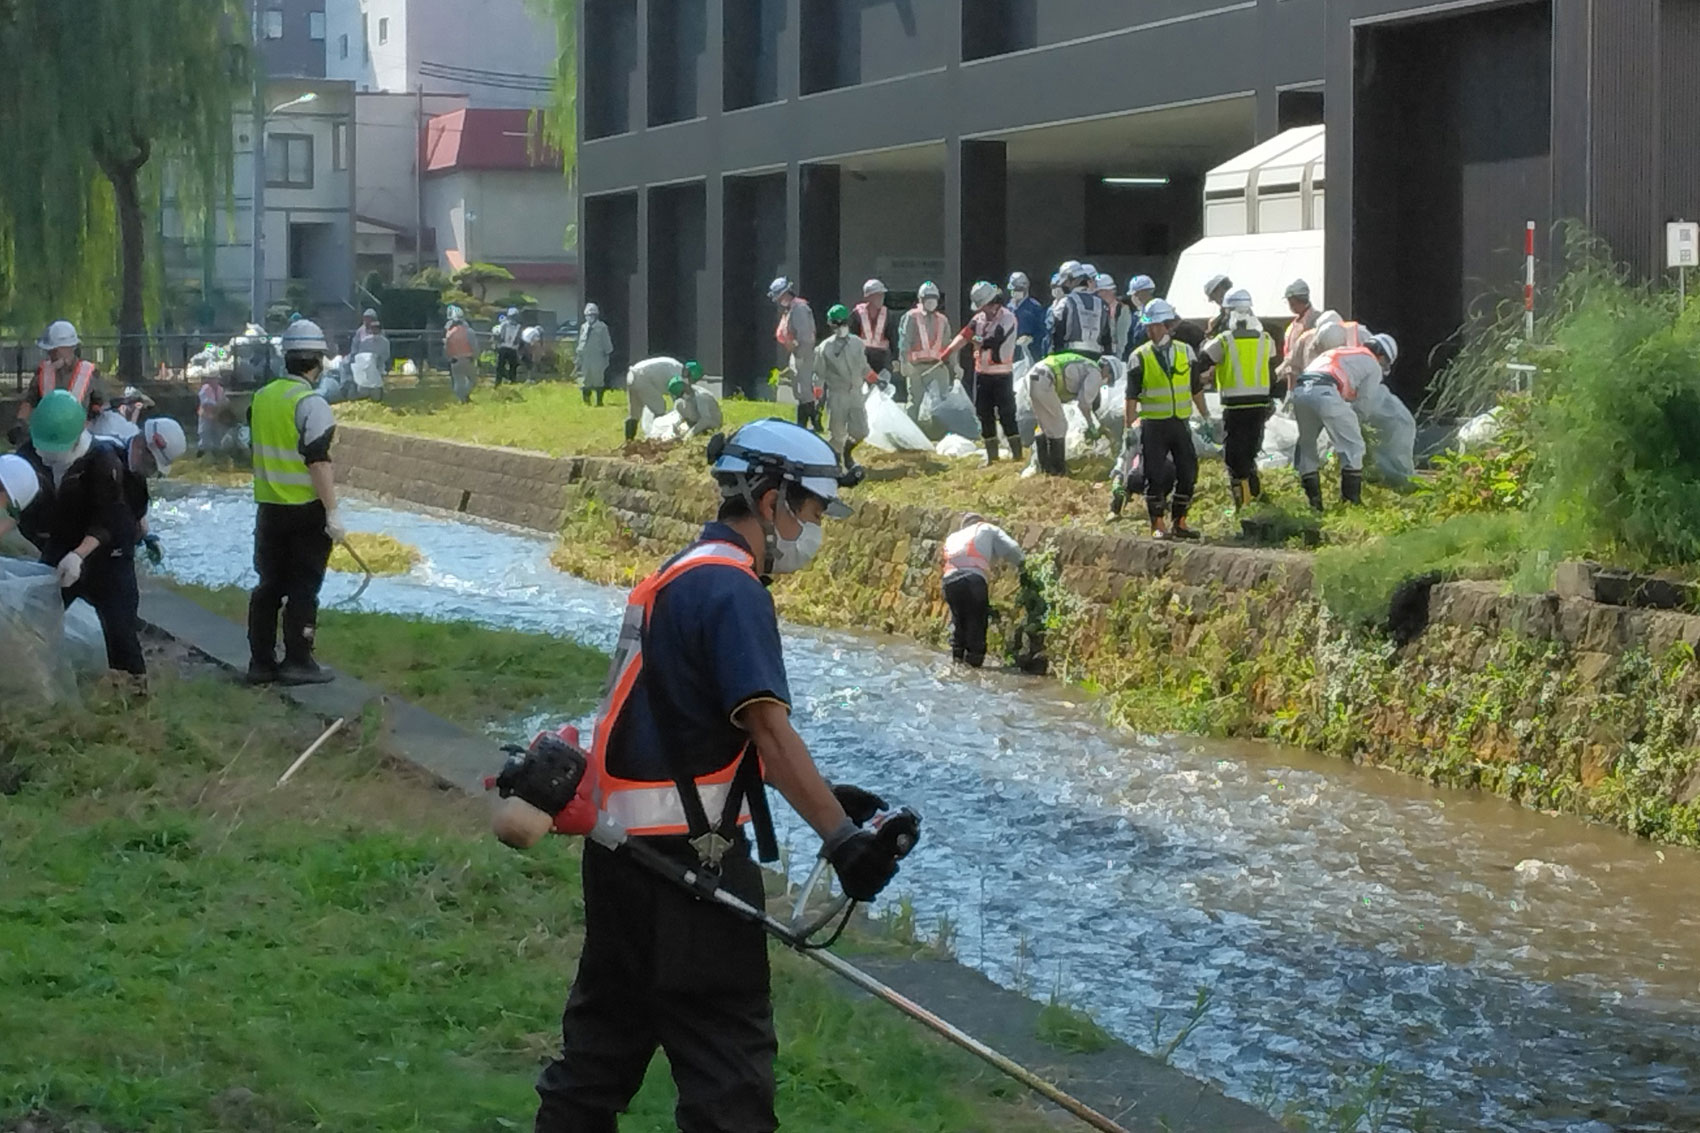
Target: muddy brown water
point(1510, 971)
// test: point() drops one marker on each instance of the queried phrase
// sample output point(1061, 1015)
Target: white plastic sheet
point(890, 428)
point(366, 373)
point(32, 636)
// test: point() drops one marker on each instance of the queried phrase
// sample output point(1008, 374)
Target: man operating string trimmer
point(696, 690)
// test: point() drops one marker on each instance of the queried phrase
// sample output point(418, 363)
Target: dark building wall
point(847, 42)
point(611, 276)
point(755, 236)
point(611, 67)
point(679, 86)
point(678, 268)
point(751, 33)
point(296, 54)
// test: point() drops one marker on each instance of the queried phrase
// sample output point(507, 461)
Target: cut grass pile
point(184, 947)
point(382, 554)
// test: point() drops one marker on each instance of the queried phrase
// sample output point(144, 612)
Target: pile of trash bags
point(241, 362)
point(45, 644)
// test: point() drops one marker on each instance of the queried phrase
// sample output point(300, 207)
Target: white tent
point(1263, 264)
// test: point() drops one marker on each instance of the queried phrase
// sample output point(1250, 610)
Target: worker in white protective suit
point(1053, 383)
point(595, 348)
point(841, 364)
point(969, 555)
point(1324, 399)
point(921, 339)
point(646, 388)
point(698, 409)
point(795, 334)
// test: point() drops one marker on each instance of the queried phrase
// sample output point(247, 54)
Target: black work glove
point(859, 804)
point(17, 434)
point(155, 553)
point(865, 865)
point(546, 775)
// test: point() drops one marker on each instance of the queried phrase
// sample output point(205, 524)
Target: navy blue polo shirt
point(712, 648)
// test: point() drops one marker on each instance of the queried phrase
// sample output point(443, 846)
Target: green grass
point(459, 670)
point(1070, 1030)
point(182, 947)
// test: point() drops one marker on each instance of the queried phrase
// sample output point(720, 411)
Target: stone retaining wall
point(1560, 703)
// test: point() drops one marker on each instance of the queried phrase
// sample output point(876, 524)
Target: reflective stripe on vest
point(930, 329)
point(1163, 395)
point(1245, 366)
point(1086, 320)
point(653, 807)
point(872, 332)
point(1296, 330)
point(1001, 361)
point(82, 377)
point(280, 472)
point(961, 554)
point(1330, 364)
point(1057, 365)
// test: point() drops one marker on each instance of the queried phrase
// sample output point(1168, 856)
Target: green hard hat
point(693, 371)
point(838, 315)
point(676, 386)
point(57, 422)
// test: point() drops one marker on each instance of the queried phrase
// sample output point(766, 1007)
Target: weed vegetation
point(382, 554)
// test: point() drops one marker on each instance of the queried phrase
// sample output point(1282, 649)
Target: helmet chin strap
point(770, 534)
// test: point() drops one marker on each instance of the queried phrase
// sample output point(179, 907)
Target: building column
point(640, 93)
point(984, 211)
point(793, 221)
point(819, 228)
point(955, 302)
point(711, 330)
point(639, 282)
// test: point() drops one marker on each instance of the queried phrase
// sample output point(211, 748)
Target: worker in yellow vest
point(1165, 382)
point(296, 521)
point(61, 369)
point(1243, 357)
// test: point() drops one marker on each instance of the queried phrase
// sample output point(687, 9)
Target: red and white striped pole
point(1529, 282)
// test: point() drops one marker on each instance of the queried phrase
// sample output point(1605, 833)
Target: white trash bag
point(957, 447)
point(666, 427)
point(1392, 437)
point(366, 373)
point(1479, 432)
point(953, 413)
point(1025, 423)
point(32, 634)
point(890, 428)
point(1281, 441)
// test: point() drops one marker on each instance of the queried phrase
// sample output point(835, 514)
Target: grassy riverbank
point(186, 947)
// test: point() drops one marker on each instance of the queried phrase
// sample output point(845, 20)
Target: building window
point(274, 23)
point(383, 29)
point(316, 26)
point(289, 161)
point(339, 146)
point(342, 46)
point(365, 38)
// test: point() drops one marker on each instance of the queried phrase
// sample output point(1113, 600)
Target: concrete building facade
point(727, 141)
point(291, 37)
point(495, 53)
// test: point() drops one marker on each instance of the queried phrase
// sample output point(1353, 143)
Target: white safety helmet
point(303, 336)
point(1216, 283)
point(57, 334)
point(513, 312)
point(1329, 317)
point(1018, 281)
point(779, 287)
point(927, 290)
point(165, 440)
point(1068, 272)
point(369, 313)
point(1387, 347)
point(592, 311)
point(1243, 320)
point(18, 478)
point(1160, 311)
point(872, 287)
point(131, 393)
point(1140, 283)
point(1298, 289)
point(982, 293)
point(1238, 301)
point(454, 313)
point(771, 451)
point(1090, 271)
point(1105, 282)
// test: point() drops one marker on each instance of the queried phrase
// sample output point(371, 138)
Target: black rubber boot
point(261, 672)
point(1351, 486)
point(1256, 483)
point(1313, 489)
point(586, 396)
point(991, 450)
point(599, 399)
point(814, 415)
point(631, 430)
point(1015, 449)
point(303, 671)
point(1059, 456)
point(802, 415)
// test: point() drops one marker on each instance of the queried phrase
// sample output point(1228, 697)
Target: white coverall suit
point(921, 335)
point(796, 333)
point(1082, 378)
point(595, 348)
point(841, 362)
point(646, 386)
point(699, 410)
point(1323, 399)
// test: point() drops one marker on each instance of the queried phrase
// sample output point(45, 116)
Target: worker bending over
point(969, 555)
point(841, 363)
point(647, 385)
point(698, 409)
point(993, 332)
point(1326, 398)
point(1243, 358)
point(1053, 383)
point(697, 717)
point(20, 483)
point(795, 334)
point(295, 516)
point(91, 531)
point(1165, 382)
point(921, 338)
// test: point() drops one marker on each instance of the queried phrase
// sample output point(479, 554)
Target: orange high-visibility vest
point(1330, 363)
point(930, 331)
point(653, 807)
point(82, 377)
point(872, 332)
point(961, 553)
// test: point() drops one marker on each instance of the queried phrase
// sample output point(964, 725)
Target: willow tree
point(101, 101)
point(560, 120)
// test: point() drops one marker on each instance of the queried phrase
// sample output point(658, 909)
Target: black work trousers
point(108, 583)
point(290, 553)
point(994, 398)
point(661, 967)
point(970, 605)
point(1243, 440)
point(1171, 466)
point(507, 364)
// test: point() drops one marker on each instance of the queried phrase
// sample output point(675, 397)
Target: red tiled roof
point(545, 271)
point(486, 139)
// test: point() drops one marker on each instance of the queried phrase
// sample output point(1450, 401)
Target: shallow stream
point(1511, 971)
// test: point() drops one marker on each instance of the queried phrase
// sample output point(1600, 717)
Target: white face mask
point(792, 555)
point(841, 332)
point(1056, 293)
point(929, 305)
point(1017, 295)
